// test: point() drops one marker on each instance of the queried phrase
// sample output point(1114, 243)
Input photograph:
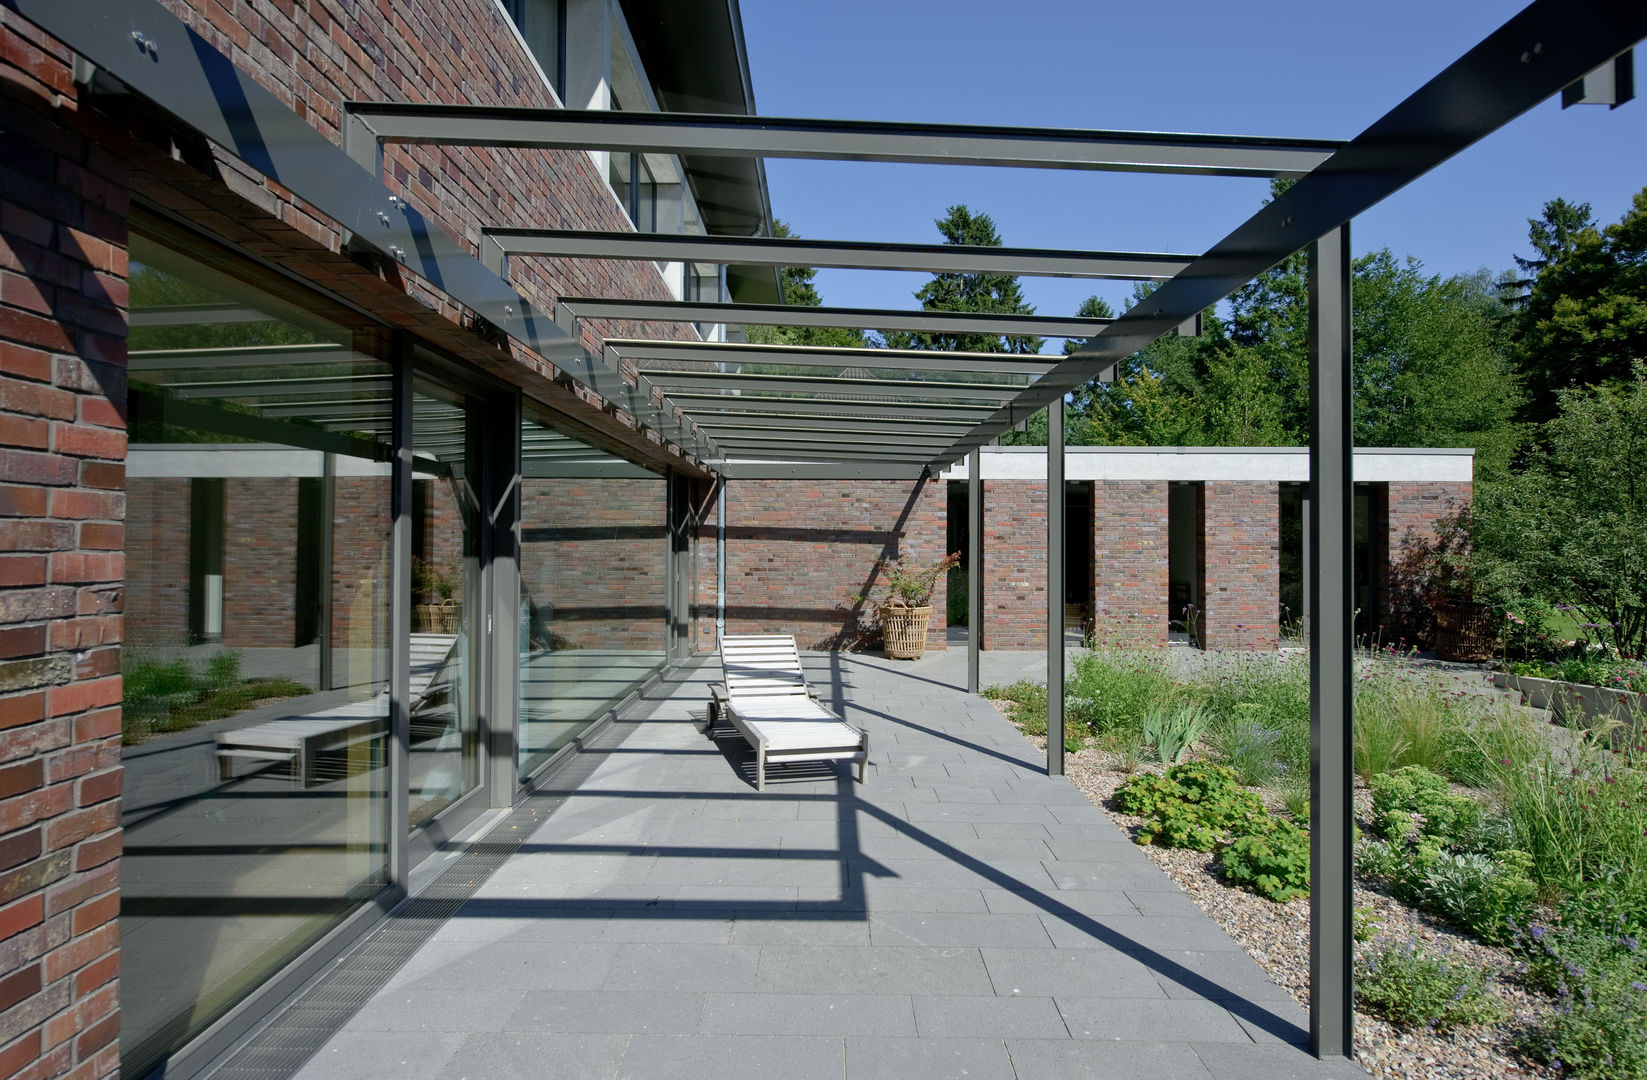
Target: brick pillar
point(1243, 565)
point(62, 474)
point(1015, 564)
point(1129, 565)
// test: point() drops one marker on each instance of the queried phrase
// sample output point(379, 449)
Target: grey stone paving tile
point(809, 1014)
point(1162, 902)
point(682, 968)
point(514, 1055)
point(573, 869)
point(1082, 813)
point(1138, 933)
point(1218, 976)
point(1057, 973)
point(744, 871)
point(827, 969)
point(927, 1059)
point(1230, 1061)
point(988, 1017)
point(720, 1057)
point(965, 793)
point(990, 811)
point(1055, 902)
point(371, 1055)
point(1139, 876)
point(521, 920)
point(669, 927)
point(1147, 1020)
point(753, 809)
point(437, 1009)
point(1047, 1059)
point(924, 928)
point(944, 874)
point(467, 965)
point(822, 929)
point(884, 895)
point(608, 1012)
point(1007, 830)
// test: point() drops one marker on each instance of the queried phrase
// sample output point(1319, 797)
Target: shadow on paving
point(625, 937)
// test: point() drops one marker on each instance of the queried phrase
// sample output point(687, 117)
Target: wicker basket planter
point(904, 629)
point(1465, 632)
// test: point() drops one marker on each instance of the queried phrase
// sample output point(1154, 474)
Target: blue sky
point(1298, 68)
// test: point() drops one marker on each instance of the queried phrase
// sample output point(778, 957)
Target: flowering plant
point(903, 586)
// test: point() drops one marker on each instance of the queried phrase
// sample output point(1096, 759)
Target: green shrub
point(1025, 704)
point(1192, 805)
point(1172, 729)
point(1415, 800)
point(1491, 895)
point(1597, 969)
point(1272, 692)
point(1409, 988)
point(1402, 718)
point(1273, 864)
point(1249, 745)
point(159, 697)
point(1581, 823)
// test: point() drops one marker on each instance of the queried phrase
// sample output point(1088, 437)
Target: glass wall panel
point(445, 593)
point(593, 572)
point(256, 662)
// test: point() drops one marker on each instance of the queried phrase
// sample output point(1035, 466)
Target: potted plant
point(904, 608)
point(439, 610)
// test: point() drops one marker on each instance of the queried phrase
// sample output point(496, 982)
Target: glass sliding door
point(594, 577)
point(446, 600)
point(256, 674)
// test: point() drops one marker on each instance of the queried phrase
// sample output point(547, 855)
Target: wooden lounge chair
point(766, 698)
point(299, 740)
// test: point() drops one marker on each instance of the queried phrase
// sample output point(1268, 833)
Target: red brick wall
point(594, 558)
point(1129, 566)
point(360, 570)
point(62, 471)
point(1243, 566)
point(157, 542)
point(259, 562)
point(1015, 564)
point(799, 553)
point(1413, 508)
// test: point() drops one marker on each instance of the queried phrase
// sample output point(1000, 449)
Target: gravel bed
point(1277, 936)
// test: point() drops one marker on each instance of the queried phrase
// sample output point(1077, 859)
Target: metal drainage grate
point(288, 1041)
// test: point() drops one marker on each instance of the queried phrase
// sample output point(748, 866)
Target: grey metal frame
point(712, 352)
point(974, 569)
point(373, 122)
point(866, 255)
point(1055, 587)
point(1330, 593)
point(568, 309)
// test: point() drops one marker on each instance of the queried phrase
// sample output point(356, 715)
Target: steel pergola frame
point(1536, 54)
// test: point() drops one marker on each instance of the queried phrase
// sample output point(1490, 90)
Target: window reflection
point(593, 557)
point(256, 661)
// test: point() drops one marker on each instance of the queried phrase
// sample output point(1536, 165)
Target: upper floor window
point(543, 24)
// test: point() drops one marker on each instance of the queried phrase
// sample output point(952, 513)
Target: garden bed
point(1501, 868)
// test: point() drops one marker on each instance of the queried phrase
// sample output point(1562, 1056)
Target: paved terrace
point(962, 914)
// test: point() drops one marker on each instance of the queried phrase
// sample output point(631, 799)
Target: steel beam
point(914, 322)
point(839, 140)
point(790, 452)
point(724, 404)
point(711, 352)
point(918, 389)
point(1055, 587)
point(846, 425)
point(815, 470)
point(822, 438)
point(974, 570)
point(1528, 59)
point(1330, 589)
point(850, 255)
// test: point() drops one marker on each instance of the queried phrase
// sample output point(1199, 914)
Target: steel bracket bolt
point(146, 44)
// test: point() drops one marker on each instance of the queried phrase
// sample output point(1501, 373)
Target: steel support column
point(1330, 599)
point(974, 567)
point(400, 617)
point(1055, 587)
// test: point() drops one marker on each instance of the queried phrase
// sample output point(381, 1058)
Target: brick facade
point(799, 553)
point(62, 477)
point(594, 561)
point(1129, 562)
point(1412, 510)
point(1242, 565)
point(1015, 564)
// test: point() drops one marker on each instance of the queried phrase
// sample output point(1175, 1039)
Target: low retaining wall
point(1573, 701)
